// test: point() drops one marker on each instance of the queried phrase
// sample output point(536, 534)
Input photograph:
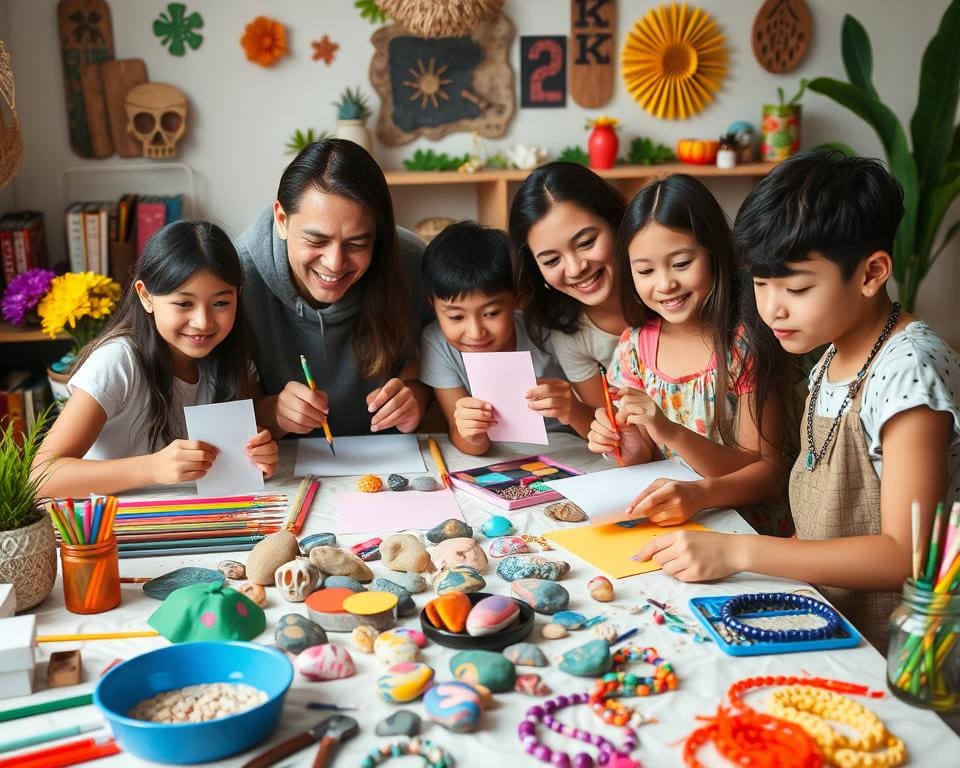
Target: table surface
point(703, 670)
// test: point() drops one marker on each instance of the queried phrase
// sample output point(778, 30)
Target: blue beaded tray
point(707, 610)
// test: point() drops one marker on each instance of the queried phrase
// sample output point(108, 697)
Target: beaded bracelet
point(615, 684)
point(609, 756)
point(773, 601)
point(433, 755)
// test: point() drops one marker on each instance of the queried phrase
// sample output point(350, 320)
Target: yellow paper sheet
point(610, 547)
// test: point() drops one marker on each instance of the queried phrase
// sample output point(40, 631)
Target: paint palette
point(516, 483)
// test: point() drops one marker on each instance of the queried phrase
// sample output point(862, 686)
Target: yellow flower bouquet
point(78, 304)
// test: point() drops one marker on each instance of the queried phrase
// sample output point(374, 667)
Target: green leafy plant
point(644, 152)
point(796, 97)
point(18, 488)
point(497, 162)
point(353, 105)
point(930, 174)
point(434, 161)
point(301, 140)
point(573, 154)
point(370, 11)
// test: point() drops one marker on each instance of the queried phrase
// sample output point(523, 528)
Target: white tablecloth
point(703, 670)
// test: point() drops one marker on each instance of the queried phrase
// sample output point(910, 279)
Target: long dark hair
point(383, 339)
point(170, 258)
point(545, 309)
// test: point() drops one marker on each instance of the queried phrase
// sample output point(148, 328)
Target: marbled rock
point(424, 484)
point(507, 545)
point(491, 615)
point(497, 525)
point(449, 529)
point(405, 604)
point(600, 589)
point(338, 562)
point(543, 596)
point(454, 705)
point(459, 551)
point(397, 482)
point(392, 648)
point(459, 578)
point(325, 662)
point(400, 723)
point(531, 684)
point(525, 655)
point(404, 682)
point(405, 552)
point(553, 631)
point(591, 659)
point(317, 540)
point(414, 583)
point(269, 554)
point(486, 668)
point(449, 611)
point(364, 637)
point(531, 567)
point(295, 633)
point(565, 512)
point(569, 619)
point(345, 581)
point(414, 634)
point(232, 569)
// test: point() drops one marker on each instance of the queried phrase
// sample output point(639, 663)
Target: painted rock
point(344, 581)
point(255, 592)
point(565, 512)
point(400, 723)
point(397, 482)
point(569, 619)
point(449, 529)
point(600, 589)
point(554, 631)
point(497, 525)
point(533, 567)
point(532, 685)
point(485, 668)
point(161, 587)
point(507, 545)
point(338, 562)
point(461, 551)
point(325, 662)
point(414, 583)
point(392, 648)
point(405, 552)
point(591, 659)
point(606, 632)
point(491, 615)
point(269, 554)
point(414, 634)
point(543, 596)
point(456, 706)
point(295, 633)
point(405, 604)
point(404, 682)
point(424, 484)
point(449, 611)
point(363, 637)
point(525, 655)
point(317, 540)
point(459, 578)
point(232, 569)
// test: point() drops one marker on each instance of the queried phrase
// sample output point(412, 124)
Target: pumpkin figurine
point(698, 151)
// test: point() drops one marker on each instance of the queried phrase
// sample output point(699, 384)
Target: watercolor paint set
point(516, 483)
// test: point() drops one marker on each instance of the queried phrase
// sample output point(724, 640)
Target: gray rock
point(424, 484)
point(344, 581)
point(295, 633)
point(449, 529)
point(403, 722)
point(414, 583)
point(405, 606)
point(317, 540)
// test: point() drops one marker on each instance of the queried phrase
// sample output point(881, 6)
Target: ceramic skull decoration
point(296, 579)
point(156, 117)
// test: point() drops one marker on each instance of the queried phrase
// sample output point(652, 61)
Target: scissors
point(329, 733)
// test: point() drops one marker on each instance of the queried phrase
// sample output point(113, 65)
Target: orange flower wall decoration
point(264, 41)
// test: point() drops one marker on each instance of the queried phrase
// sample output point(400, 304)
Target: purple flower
point(24, 293)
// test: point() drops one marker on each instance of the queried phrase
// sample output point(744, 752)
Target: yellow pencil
point(439, 462)
point(95, 636)
point(313, 385)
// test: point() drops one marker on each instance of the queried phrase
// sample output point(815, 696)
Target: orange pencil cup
point(91, 576)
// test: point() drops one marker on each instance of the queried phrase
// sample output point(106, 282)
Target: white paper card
point(228, 427)
point(359, 455)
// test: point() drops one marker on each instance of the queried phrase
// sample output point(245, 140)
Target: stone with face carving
point(296, 579)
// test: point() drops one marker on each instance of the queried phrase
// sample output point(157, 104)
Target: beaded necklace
point(605, 699)
point(433, 755)
point(813, 456)
point(774, 601)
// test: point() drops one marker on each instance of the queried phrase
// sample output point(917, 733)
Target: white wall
point(242, 114)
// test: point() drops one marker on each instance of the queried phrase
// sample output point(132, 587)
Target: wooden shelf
point(13, 333)
point(492, 186)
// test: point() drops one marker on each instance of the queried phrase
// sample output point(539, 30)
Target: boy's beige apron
point(841, 497)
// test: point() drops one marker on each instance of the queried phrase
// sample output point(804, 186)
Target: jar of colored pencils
point(91, 576)
point(923, 659)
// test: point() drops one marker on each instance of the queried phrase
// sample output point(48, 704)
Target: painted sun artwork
point(427, 83)
point(674, 61)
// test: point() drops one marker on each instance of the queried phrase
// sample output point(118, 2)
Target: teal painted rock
point(456, 706)
point(295, 633)
point(414, 583)
point(344, 581)
point(491, 615)
point(525, 655)
point(161, 587)
point(404, 682)
point(317, 540)
point(405, 604)
point(569, 619)
point(449, 529)
point(459, 578)
point(497, 525)
point(591, 659)
point(502, 546)
point(543, 596)
point(516, 567)
point(486, 668)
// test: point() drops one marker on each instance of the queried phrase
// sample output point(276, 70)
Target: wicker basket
point(11, 141)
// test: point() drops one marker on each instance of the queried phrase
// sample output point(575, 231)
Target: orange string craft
point(264, 41)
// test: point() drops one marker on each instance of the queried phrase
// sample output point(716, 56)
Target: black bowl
point(514, 633)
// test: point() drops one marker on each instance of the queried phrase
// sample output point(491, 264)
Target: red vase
point(602, 147)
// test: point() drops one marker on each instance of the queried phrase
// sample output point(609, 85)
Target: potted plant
point(28, 549)
point(930, 175)
point(603, 144)
point(780, 127)
point(352, 113)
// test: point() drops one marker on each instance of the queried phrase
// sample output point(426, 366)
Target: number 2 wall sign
point(592, 27)
point(543, 71)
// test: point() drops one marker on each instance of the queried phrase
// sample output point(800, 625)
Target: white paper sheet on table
point(605, 495)
point(501, 378)
point(359, 455)
point(228, 427)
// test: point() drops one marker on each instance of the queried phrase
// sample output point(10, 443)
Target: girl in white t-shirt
point(179, 338)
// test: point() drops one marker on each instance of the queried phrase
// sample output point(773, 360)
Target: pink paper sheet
point(501, 378)
point(378, 512)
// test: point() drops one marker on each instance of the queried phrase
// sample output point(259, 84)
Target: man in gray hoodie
point(326, 276)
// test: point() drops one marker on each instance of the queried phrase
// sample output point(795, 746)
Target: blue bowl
point(176, 666)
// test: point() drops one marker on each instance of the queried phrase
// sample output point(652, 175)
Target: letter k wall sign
point(593, 24)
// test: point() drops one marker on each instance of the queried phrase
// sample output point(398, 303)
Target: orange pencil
point(608, 404)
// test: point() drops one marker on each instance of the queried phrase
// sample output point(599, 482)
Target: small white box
point(18, 636)
point(8, 600)
point(19, 682)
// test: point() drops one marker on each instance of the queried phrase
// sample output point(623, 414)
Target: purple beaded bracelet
point(609, 757)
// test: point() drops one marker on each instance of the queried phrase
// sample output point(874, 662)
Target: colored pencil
point(915, 538)
point(306, 505)
point(58, 523)
point(933, 554)
point(87, 521)
point(439, 463)
point(75, 756)
point(81, 637)
point(230, 502)
point(47, 706)
point(163, 552)
point(951, 541)
point(135, 579)
point(59, 749)
point(313, 385)
point(608, 405)
point(41, 738)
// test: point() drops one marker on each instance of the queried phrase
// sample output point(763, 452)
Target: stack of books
point(23, 243)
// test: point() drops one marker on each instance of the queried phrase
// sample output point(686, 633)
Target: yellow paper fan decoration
point(674, 60)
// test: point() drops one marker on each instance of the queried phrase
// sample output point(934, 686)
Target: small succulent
point(573, 154)
point(301, 140)
point(434, 161)
point(353, 105)
point(644, 152)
